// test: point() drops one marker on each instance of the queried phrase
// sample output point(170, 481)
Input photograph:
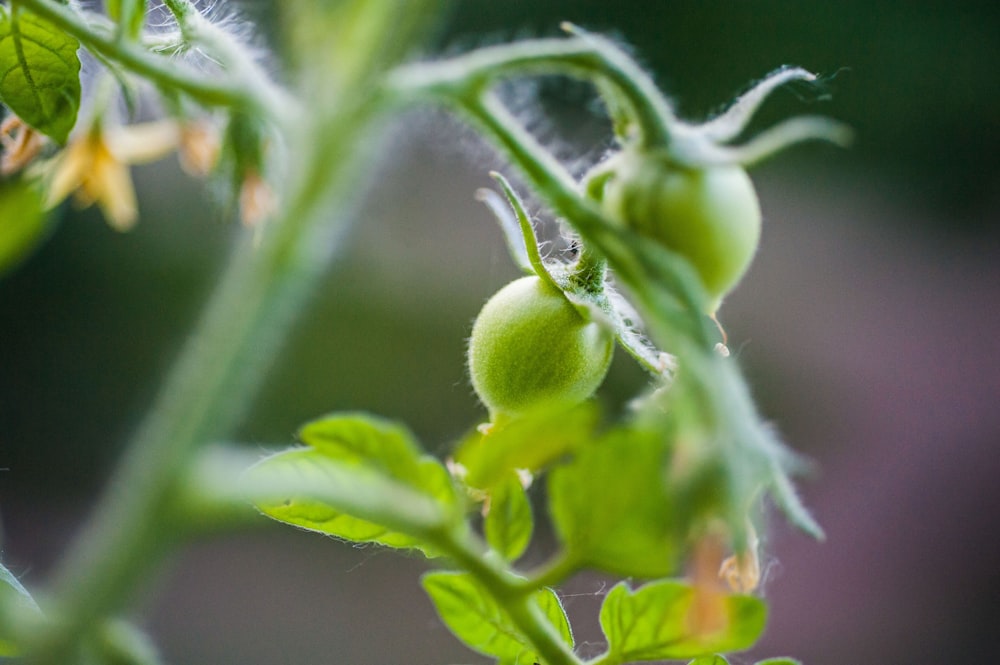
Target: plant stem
point(237, 60)
point(130, 19)
point(590, 57)
point(552, 574)
point(511, 593)
point(531, 620)
point(204, 394)
point(265, 284)
point(105, 41)
point(589, 271)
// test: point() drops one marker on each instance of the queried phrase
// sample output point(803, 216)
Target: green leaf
point(375, 442)
point(655, 623)
point(363, 480)
point(39, 73)
point(381, 446)
point(14, 599)
point(509, 523)
point(23, 223)
point(553, 609)
point(623, 521)
point(530, 442)
point(475, 618)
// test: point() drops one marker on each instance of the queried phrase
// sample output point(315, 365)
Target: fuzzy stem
point(130, 19)
point(235, 58)
point(586, 56)
point(589, 271)
point(265, 285)
point(554, 573)
point(163, 71)
point(205, 393)
point(511, 593)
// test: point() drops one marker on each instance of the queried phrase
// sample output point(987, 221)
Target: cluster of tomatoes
point(530, 345)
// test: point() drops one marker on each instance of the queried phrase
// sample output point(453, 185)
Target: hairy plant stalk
point(512, 594)
point(263, 288)
point(104, 41)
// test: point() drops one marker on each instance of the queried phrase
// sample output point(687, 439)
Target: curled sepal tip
point(768, 143)
point(728, 125)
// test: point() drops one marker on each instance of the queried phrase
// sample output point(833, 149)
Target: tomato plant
point(664, 228)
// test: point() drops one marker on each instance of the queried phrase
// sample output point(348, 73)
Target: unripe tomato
point(709, 215)
point(530, 346)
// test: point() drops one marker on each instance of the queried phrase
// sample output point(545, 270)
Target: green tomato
point(709, 215)
point(530, 346)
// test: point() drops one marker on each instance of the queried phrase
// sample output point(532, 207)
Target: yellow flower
point(95, 166)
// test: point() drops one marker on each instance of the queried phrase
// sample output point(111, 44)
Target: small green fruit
point(709, 215)
point(530, 346)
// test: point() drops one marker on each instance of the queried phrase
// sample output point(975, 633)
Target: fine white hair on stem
point(216, 26)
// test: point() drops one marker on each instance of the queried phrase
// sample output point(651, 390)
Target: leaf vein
point(16, 35)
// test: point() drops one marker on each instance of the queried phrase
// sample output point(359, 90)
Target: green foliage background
point(866, 321)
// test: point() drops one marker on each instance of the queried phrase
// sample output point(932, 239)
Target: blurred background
point(867, 327)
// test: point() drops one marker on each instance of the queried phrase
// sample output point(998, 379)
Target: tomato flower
point(199, 147)
point(95, 168)
point(21, 144)
point(257, 200)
